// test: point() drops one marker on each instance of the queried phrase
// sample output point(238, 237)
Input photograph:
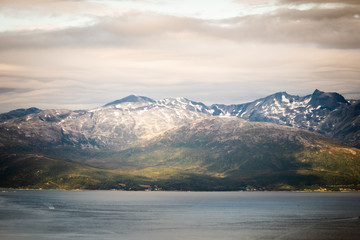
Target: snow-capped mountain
point(18, 113)
point(179, 144)
point(129, 120)
point(327, 113)
point(281, 108)
point(116, 125)
point(343, 125)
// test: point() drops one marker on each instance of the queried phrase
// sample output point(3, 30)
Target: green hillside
point(211, 154)
point(33, 171)
point(263, 156)
point(37, 171)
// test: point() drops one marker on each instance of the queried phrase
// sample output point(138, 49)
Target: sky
point(81, 54)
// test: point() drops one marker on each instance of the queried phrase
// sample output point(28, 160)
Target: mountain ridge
point(315, 112)
point(280, 142)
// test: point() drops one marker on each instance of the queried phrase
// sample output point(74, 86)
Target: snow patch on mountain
point(126, 121)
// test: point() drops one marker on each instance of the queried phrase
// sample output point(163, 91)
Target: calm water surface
point(178, 215)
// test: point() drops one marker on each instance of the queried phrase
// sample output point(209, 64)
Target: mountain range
point(280, 142)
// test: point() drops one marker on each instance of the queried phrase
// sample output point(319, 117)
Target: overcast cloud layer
point(83, 54)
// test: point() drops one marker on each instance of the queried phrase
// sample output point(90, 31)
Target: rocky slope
point(128, 120)
point(343, 125)
point(18, 113)
point(116, 125)
point(318, 112)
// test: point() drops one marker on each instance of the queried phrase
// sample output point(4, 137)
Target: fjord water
point(178, 215)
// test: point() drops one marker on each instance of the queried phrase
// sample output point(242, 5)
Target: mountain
point(343, 125)
point(122, 122)
point(284, 109)
point(131, 98)
point(258, 154)
point(178, 144)
point(312, 112)
point(18, 113)
point(116, 125)
point(208, 154)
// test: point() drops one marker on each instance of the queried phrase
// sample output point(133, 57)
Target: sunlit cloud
point(81, 54)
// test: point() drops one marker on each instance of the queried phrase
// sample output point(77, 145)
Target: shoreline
point(2, 190)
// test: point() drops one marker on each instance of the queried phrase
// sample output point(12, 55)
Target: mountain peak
point(278, 96)
point(317, 92)
point(330, 100)
point(18, 113)
point(131, 98)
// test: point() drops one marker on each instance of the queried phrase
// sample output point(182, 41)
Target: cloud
point(318, 14)
point(352, 2)
point(69, 8)
point(335, 27)
point(13, 90)
point(199, 70)
point(26, 8)
point(326, 28)
point(129, 29)
point(330, 28)
point(231, 60)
